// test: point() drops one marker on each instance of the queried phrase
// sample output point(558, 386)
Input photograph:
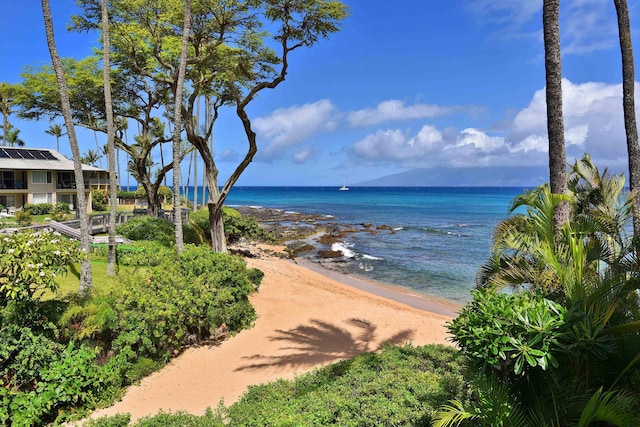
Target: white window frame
point(44, 198)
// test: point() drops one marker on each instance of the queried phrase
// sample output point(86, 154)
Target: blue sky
point(404, 85)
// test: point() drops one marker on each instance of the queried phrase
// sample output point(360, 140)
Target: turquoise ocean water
point(443, 233)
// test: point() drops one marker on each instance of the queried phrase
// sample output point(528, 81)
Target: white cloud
point(593, 123)
point(303, 155)
point(586, 25)
point(396, 146)
point(288, 127)
point(592, 116)
point(395, 110)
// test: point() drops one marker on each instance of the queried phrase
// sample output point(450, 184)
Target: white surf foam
point(344, 248)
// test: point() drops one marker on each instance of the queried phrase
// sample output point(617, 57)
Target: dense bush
point(127, 195)
point(24, 218)
point(184, 300)
point(235, 225)
point(59, 355)
point(511, 334)
point(139, 253)
point(39, 209)
point(60, 211)
point(162, 419)
point(400, 386)
point(30, 262)
point(39, 374)
point(99, 200)
point(147, 228)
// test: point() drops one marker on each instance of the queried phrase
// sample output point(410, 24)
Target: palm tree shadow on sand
point(320, 342)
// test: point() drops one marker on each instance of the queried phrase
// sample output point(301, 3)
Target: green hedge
point(400, 386)
point(140, 253)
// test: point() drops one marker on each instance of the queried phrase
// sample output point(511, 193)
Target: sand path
point(305, 319)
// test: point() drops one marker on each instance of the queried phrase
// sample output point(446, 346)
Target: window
point(41, 177)
point(42, 198)
point(67, 198)
point(65, 180)
point(8, 200)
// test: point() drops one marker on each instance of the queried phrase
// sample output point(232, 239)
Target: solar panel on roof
point(13, 153)
point(28, 154)
point(47, 155)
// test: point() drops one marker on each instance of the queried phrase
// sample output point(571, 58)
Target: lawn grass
point(70, 281)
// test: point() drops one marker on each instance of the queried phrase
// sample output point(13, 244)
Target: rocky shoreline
point(310, 236)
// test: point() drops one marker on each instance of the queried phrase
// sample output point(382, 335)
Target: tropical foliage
point(72, 352)
point(562, 348)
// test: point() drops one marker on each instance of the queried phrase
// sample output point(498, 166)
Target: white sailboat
point(344, 187)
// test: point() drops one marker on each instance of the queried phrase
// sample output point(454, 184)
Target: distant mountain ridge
point(527, 176)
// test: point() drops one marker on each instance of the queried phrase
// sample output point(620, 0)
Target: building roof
point(38, 159)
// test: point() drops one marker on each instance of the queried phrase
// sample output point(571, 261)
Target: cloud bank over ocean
point(593, 123)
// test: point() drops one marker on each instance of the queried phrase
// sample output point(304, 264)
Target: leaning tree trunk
point(555, 122)
point(111, 161)
point(628, 103)
point(85, 266)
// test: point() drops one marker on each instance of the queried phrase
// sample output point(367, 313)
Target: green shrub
point(512, 333)
point(129, 195)
point(183, 300)
point(119, 420)
point(400, 386)
point(140, 193)
point(165, 193)
point(181, 419)
point(30, 262)
point(99, 200)
point(39, 209)
point(236, 226)
point(40, 376)
point(24, 218)
point(60, 211)
point(148, 228)
point(139, 253)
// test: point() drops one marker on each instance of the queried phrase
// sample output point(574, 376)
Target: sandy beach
point(306, 319)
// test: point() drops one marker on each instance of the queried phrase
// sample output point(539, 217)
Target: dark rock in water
point(328, 239)
point(366, 225)
point(330, 254)
point(384, 227)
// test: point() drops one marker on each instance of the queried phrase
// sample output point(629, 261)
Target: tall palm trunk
point(555, 122)
point(85, 269)
point(177, 127)
point(111, 161)
point(628, 103)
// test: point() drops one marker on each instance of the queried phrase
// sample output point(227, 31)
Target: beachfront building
point(29, 175)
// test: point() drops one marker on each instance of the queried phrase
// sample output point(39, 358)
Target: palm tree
point(90, 157)
point(177, 127)
point(85, 269)
point(7, 93)
point(591, 271)
point(56, 130)
point(111, 161)
point(555, 122)
point(628, 103)
point(11, 137)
